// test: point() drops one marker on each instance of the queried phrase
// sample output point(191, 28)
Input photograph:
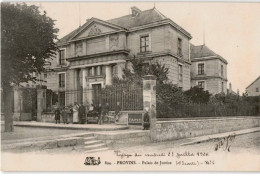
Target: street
point(21, 133)
point(247, 143)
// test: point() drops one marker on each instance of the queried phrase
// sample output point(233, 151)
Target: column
point(108, 75)
point(74, 91)
point(98, 70)
point(84, 85)
point(149, 99)
point(93, 71)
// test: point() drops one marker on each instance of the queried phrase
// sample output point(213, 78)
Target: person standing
point(99, 112)
point(57, 115)
point(82, 113)
point(146, 123)
point(105, 112)
point(75, 113)
point(64, 115)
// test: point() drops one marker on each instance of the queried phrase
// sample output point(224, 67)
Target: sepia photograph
point(130, 86)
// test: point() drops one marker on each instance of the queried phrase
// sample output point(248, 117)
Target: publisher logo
point(92, 161)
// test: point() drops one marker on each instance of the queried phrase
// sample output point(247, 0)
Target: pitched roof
point(253, 82)
point(79, 29)
point(68, 36)
point(201, 51)
point(143, 18)
point(129, 21)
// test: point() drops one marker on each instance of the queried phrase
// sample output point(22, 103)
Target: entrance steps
point(91, 144)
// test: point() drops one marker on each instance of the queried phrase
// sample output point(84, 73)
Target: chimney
point(135, 11)
point(230, 86)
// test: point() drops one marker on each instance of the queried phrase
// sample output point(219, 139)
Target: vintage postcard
point(130, 86)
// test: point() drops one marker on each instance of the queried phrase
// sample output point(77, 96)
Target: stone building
point(208, 69)
point(253, 88)
point(91, 55)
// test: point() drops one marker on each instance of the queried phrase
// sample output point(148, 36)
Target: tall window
point(179, 45)
point(222, 70)
point(200, 68)
point(115, 71)
point(144, 43)
point(62, 99)
point(62, 58)
point(180, 70)
point(222, 86)
point(90, 72)
point(102, 70)
point(95, 71)
point(45, 77)
point(201, 84)
point(62, 80)
point(256, 89)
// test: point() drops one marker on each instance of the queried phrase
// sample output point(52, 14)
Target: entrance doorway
point(96, 93)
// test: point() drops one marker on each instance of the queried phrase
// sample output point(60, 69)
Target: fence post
point(149, 101)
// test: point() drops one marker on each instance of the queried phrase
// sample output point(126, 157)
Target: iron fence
point(130, 97)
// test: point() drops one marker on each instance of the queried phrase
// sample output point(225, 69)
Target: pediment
point(95, 28)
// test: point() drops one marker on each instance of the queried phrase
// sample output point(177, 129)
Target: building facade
point(208, 70)
point(253, 88)
point(91, 55)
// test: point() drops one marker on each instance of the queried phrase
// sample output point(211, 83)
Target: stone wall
point(22, 116)
point(178, 129)
point(48, 117)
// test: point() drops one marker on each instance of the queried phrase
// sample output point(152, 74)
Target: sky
point(232, 30)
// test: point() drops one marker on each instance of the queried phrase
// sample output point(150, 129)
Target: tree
point(198, 95)
point(28, 39)
point(141, 68)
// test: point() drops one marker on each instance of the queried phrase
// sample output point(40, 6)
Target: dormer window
point(135, 11)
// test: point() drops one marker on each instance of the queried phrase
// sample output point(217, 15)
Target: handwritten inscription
point(225, 143)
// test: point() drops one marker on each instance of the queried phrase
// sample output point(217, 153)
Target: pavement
point(246, 141)
point(31, 136)
point(89, 127)
point(115, 133)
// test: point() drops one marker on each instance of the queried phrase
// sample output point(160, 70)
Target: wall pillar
point(18, 103)
point(41, 95)
point(17, 100)
point(84, 47)
point(149, 99)
point(108, 75)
